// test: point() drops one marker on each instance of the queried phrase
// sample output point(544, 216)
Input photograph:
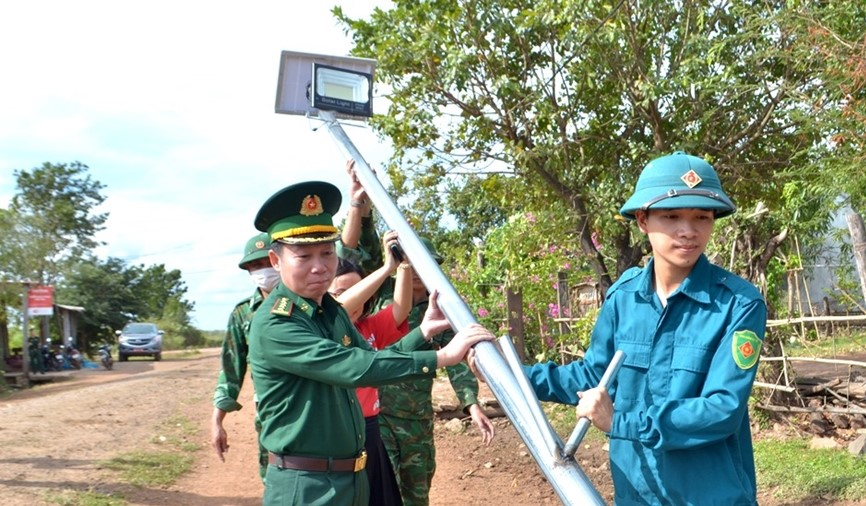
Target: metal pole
point(584, 422)
point(25, 337)
point(568, 480)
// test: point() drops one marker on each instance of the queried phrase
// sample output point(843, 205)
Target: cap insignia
point(312, 206)
point(260, 244)
point(691, 178)
point(346, 341)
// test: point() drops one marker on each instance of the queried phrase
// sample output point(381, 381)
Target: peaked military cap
point(678, 181)
point(302, 213)
point(256, 248)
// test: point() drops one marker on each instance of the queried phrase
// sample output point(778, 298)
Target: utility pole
point(25, 335)
point(858, 244)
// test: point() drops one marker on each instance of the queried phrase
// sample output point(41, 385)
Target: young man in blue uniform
point(307, 358)
point(692, 333)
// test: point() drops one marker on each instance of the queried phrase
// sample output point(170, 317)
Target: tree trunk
point(858, 244)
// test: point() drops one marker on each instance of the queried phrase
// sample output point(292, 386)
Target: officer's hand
point(434, 321)
point(596, 405)
point(470, 360)
point(219, 439)
point(454, 352)
point(483, 423)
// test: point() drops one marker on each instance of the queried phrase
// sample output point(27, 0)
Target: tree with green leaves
point(565, 101)
point(114, 294)
point(51, 220)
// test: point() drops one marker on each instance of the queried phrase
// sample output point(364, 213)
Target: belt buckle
point(361, 462)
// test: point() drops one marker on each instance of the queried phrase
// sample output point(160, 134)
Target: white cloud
point(171, 105)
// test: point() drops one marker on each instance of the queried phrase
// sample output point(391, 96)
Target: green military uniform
point(406, 409)
point(406, 421)
point(235, 348)
point(307, 359)
point(370, 258)
point(234, 364)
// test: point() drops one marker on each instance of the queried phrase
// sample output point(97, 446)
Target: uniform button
point(425, 369)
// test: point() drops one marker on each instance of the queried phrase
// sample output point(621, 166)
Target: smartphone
point(396, 253)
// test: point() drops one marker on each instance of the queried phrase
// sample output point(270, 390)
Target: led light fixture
point(309, 83)
point(340, 90)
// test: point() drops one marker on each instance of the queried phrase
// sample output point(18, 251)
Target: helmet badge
point(691, 178)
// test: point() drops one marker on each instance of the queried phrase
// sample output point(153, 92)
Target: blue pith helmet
point(257, 247)
point(678, 181)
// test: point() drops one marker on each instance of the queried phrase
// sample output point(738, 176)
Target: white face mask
point(265, 278)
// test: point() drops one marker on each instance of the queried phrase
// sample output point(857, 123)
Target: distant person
point(234, 355)
point(37, 361)
point(307, 358)
point(677, 413)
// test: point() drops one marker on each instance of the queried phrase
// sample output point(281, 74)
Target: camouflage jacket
point(234, 354)
point(414, 399)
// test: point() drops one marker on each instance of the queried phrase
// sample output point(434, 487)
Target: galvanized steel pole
point(568, 480)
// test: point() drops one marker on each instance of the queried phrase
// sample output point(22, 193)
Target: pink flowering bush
point(521, 256)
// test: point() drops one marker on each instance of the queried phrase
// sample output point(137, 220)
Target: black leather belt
point(320, 465)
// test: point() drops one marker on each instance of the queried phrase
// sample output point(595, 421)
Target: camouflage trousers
point(263, 454)
point(413, 455)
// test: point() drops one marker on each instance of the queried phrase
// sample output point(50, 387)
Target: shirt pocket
point(690, 365)
point(631, 378)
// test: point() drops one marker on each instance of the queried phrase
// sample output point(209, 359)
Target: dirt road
point(56, 437)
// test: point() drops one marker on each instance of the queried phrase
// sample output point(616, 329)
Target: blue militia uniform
point(681, 397)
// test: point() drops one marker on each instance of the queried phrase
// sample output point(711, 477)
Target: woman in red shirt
point(356, 292)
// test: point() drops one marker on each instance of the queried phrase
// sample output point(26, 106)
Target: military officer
point(234, 349)
point(307, 357)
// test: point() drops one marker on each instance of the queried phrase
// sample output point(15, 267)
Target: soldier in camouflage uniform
point(406, 412)
point(234, 349)
point(406, 409)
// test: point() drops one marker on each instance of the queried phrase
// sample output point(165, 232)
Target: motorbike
point(105, 356)
point(50, 358)
point(72, 358)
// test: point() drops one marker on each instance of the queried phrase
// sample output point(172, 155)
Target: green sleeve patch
point(746, 348)
point(283, 306)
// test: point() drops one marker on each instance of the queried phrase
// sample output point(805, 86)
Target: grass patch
point(182, 354)
point(796, 472)
point(563, 418)
point(83, 498)
point(161, 467)
point(149, 469)
point(177, 431)
point(840, 343)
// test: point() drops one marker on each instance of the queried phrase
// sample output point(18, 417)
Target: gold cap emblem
point(312, 206)
point(260, 244)
point(691, 179)
point(346, 341)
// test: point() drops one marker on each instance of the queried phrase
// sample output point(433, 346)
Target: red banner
point(40, 301)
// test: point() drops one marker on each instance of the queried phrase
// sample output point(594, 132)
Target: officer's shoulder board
point(283, 306)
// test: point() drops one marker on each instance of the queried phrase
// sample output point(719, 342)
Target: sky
point(171, 106)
